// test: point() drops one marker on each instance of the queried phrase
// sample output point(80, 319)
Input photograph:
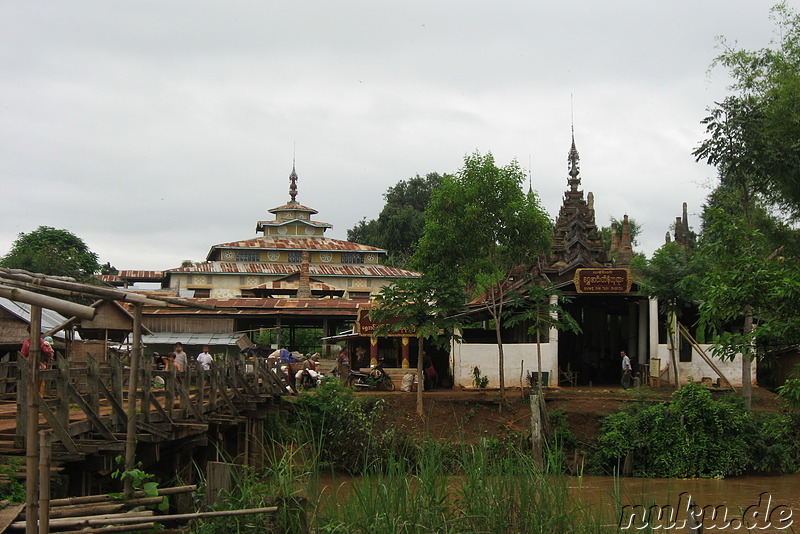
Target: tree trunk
point(420, 378)
point(747, 379)
point(501, 363)
point(539, 359)
point(673, 346)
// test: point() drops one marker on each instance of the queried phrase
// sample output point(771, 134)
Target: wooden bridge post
point(22, 400)
point(93, 382)
point(171, 378)
point(62, 390)
point(32, 424)
point(130, 435)
point(117, 386)
point(214, 382)
point(5, 370)
point(147, 386)
point(201, 387)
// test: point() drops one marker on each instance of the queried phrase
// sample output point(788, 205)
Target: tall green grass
point(485, 493)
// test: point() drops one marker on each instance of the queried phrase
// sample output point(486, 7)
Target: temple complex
point(291, 258)
point(289, 277)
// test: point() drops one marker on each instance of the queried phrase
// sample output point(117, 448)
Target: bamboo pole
point(44, 301)
point(122, 528)
point(44, 482)
point(136, 517)
point(106, 497)
point(31, 434)
point(130, 442)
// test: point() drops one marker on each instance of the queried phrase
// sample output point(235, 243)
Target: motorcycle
point(374, 378)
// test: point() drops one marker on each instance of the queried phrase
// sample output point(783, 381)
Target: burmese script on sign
point(603, 280)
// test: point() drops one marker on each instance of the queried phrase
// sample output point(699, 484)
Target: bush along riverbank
point(696, 435)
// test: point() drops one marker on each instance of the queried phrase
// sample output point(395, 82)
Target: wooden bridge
point(84, 403)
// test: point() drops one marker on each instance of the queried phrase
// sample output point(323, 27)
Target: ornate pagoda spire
point(574, 165)
point(293, 183)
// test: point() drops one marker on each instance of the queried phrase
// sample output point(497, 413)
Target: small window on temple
point(247, 255)
point(352, 257)
point(295, 256)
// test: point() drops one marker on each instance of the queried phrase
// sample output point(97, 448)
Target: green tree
point(401, 221)
point(752, 140)
point(425, 306)
point(749, 295)
point(752, 135)
point(54, 252)
point(481, 229)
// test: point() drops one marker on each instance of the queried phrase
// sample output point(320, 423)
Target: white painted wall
point(519, 358)
point(698, 368)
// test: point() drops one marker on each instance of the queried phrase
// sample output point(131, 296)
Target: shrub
point(694, 435)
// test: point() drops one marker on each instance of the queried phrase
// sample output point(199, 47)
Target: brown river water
point(766, 504)
point(770, 504)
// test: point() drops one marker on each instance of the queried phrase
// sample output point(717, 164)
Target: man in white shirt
point(626, 370)
point(205, 359)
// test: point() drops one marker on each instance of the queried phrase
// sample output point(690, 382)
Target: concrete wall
point(698, 368)
point(519, 358)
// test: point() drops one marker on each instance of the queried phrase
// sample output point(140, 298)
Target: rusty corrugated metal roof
point(300, 243)
point(315, 269)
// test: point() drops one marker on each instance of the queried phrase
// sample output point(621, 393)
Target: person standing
point(205, 359)
point(46, 355)
point(343, 366)
point(180, 358)
point(626, 370)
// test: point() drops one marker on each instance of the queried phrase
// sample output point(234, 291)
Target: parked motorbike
point(374, 378)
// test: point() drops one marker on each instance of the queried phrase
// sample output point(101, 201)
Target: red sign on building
point(366, 326)
point(603, 280)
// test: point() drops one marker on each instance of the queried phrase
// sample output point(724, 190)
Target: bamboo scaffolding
point(60, 282)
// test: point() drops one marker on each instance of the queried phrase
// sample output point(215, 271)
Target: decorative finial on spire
point(574, 164)
point(293, 183)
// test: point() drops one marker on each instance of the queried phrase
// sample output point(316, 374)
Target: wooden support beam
point(60, 431)
point(99, 426)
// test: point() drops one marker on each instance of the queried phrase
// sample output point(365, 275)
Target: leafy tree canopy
point(480, 229)
point(401, 221)
point(54, 252)
point(753, 135)
point(480, 223)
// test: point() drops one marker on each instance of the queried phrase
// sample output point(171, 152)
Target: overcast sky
point(155, 129)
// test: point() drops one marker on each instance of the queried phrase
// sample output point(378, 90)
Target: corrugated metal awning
point(191, 338)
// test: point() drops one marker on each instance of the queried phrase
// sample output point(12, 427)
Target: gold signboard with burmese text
point(603, 280)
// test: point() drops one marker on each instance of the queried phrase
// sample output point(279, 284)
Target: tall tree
point(753, 135)
point(51, 251)
point(481, 228)
point(401, 221)
point(752, 139)
point(750, 291)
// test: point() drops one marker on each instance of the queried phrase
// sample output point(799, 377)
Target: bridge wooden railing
point(85, 403)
